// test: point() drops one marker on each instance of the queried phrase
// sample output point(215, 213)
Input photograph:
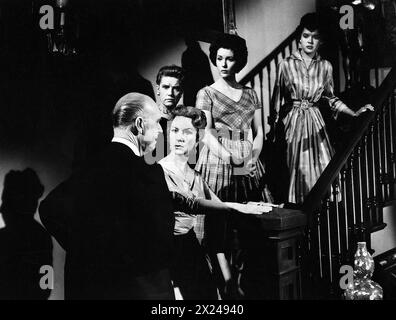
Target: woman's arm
point(212, 143)
point(258, 139)
point(335, 103)
point(193, 205)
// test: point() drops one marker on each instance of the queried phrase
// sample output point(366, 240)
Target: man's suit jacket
point(115, 220)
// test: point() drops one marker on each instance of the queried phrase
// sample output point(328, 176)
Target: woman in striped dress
point(229, 160)
point(303, 79)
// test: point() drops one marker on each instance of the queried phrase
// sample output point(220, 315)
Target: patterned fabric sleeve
point(279, 91)
point(256, 101)
point(185, 203)
point(328, 93)
point(204, 102)
point(209, 194)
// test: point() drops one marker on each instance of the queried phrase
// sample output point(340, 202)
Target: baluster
point(337, 255)
point(385, 152)
point(389, 149)
point(319, 239)
point(313, 257)
point(368, 204)
point(290, 48)
point(352, 187)
point(359, 181)
point(379, 163)
point(252, 82)
point(269, 86)
point(392, 123)
point(263, 123)
point(354, 198)
point(261, 85)
point(336, 196)
point(374, 175)
point(345, 205)
point(328, 238)
point(361, 227)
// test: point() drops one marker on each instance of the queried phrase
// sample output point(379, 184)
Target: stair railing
point(345, 205)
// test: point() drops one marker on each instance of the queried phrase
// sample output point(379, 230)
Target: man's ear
point(158, 88)
point(137, 126)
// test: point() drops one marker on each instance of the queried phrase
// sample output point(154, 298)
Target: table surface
point(278, 219)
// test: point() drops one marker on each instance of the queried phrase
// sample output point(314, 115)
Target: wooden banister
point(313, 199)
point(269, 58)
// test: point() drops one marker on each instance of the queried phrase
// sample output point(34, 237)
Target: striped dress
point(307, 142)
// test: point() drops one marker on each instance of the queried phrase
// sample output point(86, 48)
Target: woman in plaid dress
point(229, 160)
point(303, 79)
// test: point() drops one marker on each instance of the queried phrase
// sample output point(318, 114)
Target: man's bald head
point(131, 106)
point(138, 114)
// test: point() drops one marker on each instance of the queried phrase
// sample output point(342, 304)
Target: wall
point(263, 23)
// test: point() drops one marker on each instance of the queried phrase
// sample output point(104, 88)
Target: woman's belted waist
point(232, 134)
point(303, 104)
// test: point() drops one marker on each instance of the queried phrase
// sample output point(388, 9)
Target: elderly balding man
point(115, 217)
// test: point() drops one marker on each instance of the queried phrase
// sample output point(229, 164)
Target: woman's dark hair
point(311, 22)
point(234, 43)
point(196, 115)
point(171, 71)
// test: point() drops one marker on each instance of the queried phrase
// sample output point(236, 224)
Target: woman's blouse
point(296, 82)
point(227, 113)
point(192, 185)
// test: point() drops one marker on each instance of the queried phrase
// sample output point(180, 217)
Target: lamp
point(61, 39)
point(368, 4)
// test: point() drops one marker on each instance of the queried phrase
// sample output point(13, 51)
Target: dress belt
point(303, 104)
point(232, 134)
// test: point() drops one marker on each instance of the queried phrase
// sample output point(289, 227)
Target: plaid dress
point(232, 125)
point(308, 146)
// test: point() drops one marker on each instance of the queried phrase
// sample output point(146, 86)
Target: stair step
point(378, 227)
point(390, 203)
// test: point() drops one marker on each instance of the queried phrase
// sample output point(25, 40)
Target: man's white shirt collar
point(128, 143)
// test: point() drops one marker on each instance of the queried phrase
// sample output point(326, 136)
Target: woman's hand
point(248, 208)
point(235, 161)
point(367, 107)
point(251, 167)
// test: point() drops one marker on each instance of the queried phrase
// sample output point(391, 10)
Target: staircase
point(263, 76)
point(346, 204)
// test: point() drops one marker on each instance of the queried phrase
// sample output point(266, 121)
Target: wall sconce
point(62, 39)
point(369, 5)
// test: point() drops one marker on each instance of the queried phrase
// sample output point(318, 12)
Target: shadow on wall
point(25, 246)
point(197, 71)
